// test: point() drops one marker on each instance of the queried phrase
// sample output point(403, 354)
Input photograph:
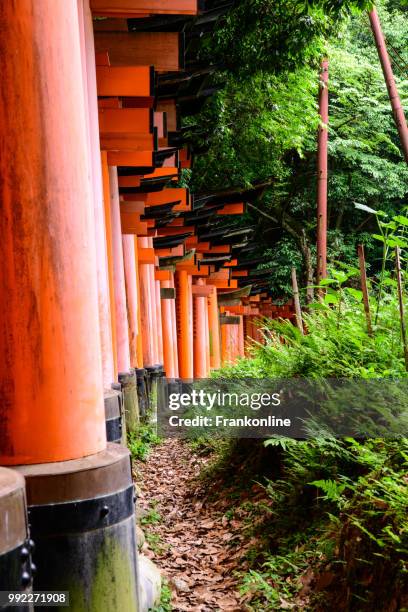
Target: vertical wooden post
point(154, 339)
point(168, 333)
point(159, 323)
point(128, 245)
point(364, 288)
point(139, 340)
point(174, 332)
point(298, 310)
point(401, 305)
point(109, 251)
point(91, 107)
point(184, 323)
point(51, 405)
point(200, 348)
point(397, 108)
point(323, 137)
point(146, 309)
point(122, 329)
point(214, 330)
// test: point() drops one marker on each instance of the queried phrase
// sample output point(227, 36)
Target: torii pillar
point(52, 419)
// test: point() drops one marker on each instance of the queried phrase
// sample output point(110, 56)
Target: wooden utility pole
point(323, 137)
point(401, 305)
point(397, 109)
point(298, 310)
point(364, 288)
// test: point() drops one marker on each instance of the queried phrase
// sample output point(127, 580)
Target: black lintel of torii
point(217, 262)
point(161, 155)
point(168, 242)
point(135, 170)
point(248, 264)
point(146, 187)
point(151, 212)
point(159, 179)
point(223, 238)
point(160, 23)
point(163, 221)
point(261, 273)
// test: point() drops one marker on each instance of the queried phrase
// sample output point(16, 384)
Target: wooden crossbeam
point(134, 8)
point(131, 224)
point(125, 120)
point(141, 159)
point(132, 141)
point(159, 49)
point(136, 81)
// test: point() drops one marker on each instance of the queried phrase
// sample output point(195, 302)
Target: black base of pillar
point(82, 518)
point(113, 416)
point(15, 547)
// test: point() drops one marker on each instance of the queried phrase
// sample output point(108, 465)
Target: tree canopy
point(261, 126)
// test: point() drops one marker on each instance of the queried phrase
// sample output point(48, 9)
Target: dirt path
point(197, 544)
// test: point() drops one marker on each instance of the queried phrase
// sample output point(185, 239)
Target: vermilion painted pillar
point(225, 340)
point(128, 245)
point(214, 330)
point(323, 138)
point(51, 405)
point(397, 108)
point(153, 307)
point(241, 337)
point(91, 106)
point(121, 322)
point(207, 339)
point(139, 340)
point(159, 324)
point(109, 250)
point(168, 332)
point(200, 336)
point(174, 327)
point(146, 311)
point(184, 324)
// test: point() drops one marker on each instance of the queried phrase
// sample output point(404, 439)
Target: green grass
point(165, 599)
point(141, 441)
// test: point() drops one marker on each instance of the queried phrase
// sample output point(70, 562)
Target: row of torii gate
point(110, 272)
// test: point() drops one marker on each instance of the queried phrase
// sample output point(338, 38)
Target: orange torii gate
point(112, 272)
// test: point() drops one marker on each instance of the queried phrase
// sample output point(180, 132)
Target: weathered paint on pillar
point(109, 251)
point(139, 339)
point(159, 324)
point(146, 308)
point(153, 306)
point(128, 245)
point(168, 333)
point(200, 336)
point(241, 336)
point(214, 330)
point(51, 378)
point(207, 338)
point(184, 324)
point(174, 327)
point(224, 344)
point(91, 106)
point(122, 333)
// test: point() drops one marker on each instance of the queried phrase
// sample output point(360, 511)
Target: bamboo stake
point(401, 305)
point(364, 288)
point(298, 310)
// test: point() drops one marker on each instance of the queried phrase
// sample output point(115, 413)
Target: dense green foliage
point(261, 127)
point(336, 536)
point(140, 441)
